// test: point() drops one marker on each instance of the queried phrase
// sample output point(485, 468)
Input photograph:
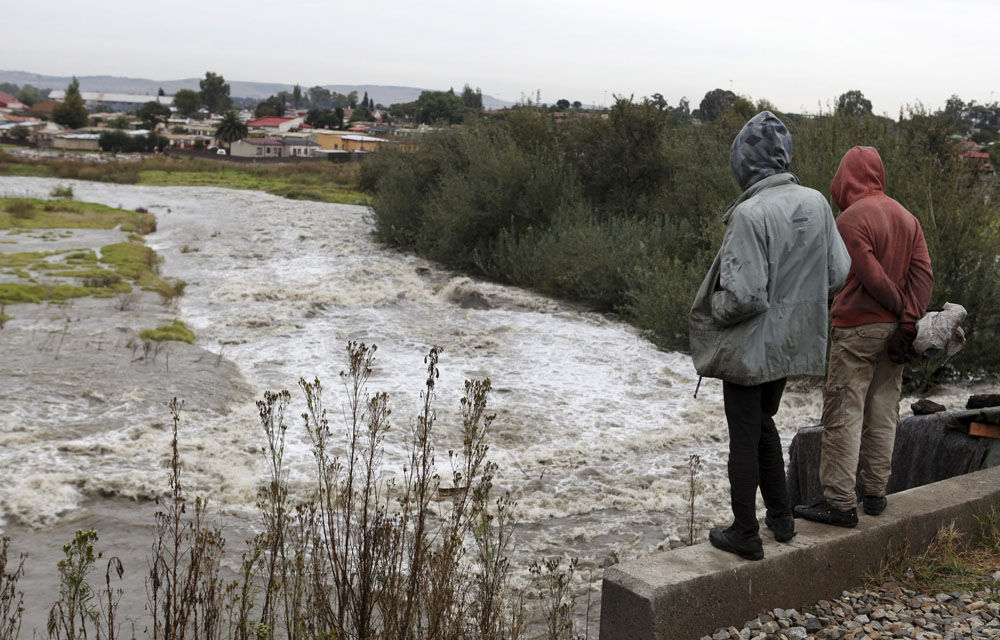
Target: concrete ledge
point(690, 592)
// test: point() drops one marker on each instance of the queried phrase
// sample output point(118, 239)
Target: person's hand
point(900, 345)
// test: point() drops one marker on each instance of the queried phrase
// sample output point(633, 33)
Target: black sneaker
point(782, 528)
point(725, 539)
point(874, 505)
point(826, 513)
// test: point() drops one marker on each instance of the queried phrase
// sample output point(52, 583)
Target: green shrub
point(177, 331)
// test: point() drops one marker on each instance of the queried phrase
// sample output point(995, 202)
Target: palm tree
point(230, 129)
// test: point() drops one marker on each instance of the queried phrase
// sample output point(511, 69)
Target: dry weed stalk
point(184, 592)
point(11, 599)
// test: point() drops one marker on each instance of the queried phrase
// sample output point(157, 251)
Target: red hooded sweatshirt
point(890, 278)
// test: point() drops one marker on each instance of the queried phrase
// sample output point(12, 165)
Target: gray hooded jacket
point(761, 312)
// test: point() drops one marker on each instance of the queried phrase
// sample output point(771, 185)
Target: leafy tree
point(9, 88)
point(361, 114)
point(854, 103)
point(320, 98)
point(715, 103)
point(230, 128)
point(119, 141)
point(187, 102)
point(563, 104)
point(20, 133)
point(30, 95)
point(577, 104)
point(440, 106)
point(161, 92)
point(352, 99)
point(296, 97)
point(273, 106)
point(325, 118)
point(152, 113)
point(472, 99)
point(71, 112)
point(120, 122)
point(215, 92)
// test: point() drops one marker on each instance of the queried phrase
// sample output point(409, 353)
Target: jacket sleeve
point(919, 282)
point(838, 261)
point(743, 272)
point(867, 268)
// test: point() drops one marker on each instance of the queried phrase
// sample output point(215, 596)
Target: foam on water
point(594, 425)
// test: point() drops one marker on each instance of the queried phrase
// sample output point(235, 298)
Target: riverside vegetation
point(357, 552)
point(622, 212)
point(320, 181)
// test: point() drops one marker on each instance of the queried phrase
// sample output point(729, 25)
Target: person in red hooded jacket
point(874, 324)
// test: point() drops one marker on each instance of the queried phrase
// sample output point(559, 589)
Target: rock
point(925, 407)
point(975, 606)
point(863, 619)
point(813, 625)
point(981, 401)
point(721, 634)
point(796, 633)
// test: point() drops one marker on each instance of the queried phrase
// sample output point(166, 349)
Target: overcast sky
point(800, 56)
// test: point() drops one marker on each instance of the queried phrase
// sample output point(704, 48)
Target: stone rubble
point(888, 612)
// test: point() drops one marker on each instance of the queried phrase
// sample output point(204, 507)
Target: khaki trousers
point(860, 413)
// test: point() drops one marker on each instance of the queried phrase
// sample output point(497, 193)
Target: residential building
point(276, 124)
point(10, 103)
point(113, 101)
point(77, 142)
point(299, 146)
point(257, 148)
point(44, 108)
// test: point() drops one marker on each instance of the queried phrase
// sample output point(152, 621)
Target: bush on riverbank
point(623, 212)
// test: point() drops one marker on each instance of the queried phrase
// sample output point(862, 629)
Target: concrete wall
point(690, 592)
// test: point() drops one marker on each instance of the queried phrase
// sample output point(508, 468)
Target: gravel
point(886, 612)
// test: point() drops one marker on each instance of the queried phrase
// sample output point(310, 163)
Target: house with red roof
point(275, 123)
point(9, 102)
point(981, 157)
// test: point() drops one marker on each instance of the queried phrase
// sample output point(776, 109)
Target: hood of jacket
point(761, 149)
point(860, 174)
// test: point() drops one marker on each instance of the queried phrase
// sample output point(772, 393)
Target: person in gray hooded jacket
point(761, 316)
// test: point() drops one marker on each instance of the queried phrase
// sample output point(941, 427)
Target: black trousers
point(754, 453)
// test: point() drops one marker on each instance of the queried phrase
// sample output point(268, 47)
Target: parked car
point(220, 152)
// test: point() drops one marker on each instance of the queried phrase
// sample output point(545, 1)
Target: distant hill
point(382, 94)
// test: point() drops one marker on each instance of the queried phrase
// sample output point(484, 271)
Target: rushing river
point(595, 425)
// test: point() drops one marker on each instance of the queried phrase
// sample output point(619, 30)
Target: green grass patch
point(177, 331)
point(137, 262)
point(4, 318)
point(24, 258)
point(15, 292)
point(93, 273)
point(30, 213)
